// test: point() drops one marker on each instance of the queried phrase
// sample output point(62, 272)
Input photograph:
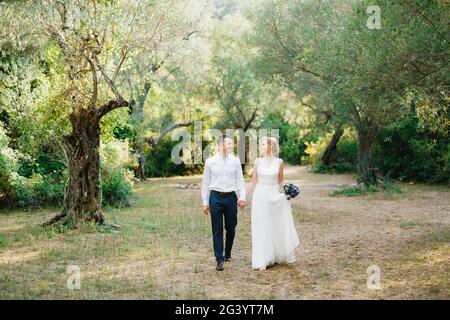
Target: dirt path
point(406, 236)
point(164, 249)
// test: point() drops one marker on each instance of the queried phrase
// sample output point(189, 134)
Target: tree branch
point(110, 106)
point(154, 141)
point(110, 82)
point(93, 100)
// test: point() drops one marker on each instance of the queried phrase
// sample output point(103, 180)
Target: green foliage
point(349, 191)
point(240, 94)
point(124, 133)
point(340, 167)
point(116, 186)
point(292, 144)
point(50, 192)
point(3, 242)
point(387, 187)
point(408, 152)
point(116, 178)
point(8, 164)
point(37, 182)
point(390, 187)
point(36, 191)
point(347, 150)
point(390, 83)
point(32, 173)
point(158, 162)
point(357, 75)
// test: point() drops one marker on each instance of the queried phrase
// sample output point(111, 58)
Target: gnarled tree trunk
point(83, 196)
point(330, 156)
point(82, 199)
point(367, 172)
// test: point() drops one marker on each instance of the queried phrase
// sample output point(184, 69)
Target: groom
point(222, 177)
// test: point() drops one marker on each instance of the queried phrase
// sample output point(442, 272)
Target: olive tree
point(96, 40)
point(358, 74)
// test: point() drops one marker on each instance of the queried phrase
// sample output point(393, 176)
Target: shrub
point(8, 164)
point(116, 179)
point(387, 187)
point(407, 152)
point(158, 162)
point(292, 144)
point(347, 149)
point(50, 192)
point(23, 195)
point(116, 186)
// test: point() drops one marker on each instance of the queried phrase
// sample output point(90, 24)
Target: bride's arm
point(252, 184)
point(281, 175)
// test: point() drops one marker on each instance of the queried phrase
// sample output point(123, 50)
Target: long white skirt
point(274, 237)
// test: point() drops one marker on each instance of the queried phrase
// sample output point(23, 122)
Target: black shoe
point(219, 266)
point(227, 259)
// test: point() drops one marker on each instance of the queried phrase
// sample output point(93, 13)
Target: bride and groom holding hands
point(274, 237)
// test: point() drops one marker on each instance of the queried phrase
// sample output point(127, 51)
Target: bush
point(8, 165)
point(39, 181)
point(158, 161)
point(347, 149)
point(116, 179)
point(36, 191)
point(116, 186)
point(387, 187)
point(50, 192)
point(23, 191)
point(406, 152)
point(292, 144)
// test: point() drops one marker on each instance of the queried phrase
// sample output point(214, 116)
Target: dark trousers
point(223, 207)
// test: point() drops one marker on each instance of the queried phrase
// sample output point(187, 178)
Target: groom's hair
point(222, 138)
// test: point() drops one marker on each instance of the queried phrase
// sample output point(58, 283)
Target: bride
point(274, 237)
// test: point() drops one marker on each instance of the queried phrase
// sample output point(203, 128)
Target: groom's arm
point(206, 181)
point(240, 183)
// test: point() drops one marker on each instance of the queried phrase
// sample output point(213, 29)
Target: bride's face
point(263, 148)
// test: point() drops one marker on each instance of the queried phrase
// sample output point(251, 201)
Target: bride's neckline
point(268, 160)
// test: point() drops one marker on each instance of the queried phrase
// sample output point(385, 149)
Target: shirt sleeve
point(206, 180)
point(240, 183)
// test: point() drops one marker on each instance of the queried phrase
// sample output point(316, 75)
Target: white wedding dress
point(274, 237)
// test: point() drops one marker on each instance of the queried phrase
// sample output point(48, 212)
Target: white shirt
point(223, 175)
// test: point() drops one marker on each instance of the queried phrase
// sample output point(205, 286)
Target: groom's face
point(226, 146)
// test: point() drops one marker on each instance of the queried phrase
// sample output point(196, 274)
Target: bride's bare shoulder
point(280, 161)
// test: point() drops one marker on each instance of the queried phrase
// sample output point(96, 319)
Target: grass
point(388, 188)
point(3, 242)
point(163, 249)
point(409, 225)
point(426, 261)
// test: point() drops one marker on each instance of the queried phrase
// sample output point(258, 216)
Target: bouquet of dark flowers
point(291, 191)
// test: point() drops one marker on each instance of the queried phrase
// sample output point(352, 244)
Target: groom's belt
point(223, 194)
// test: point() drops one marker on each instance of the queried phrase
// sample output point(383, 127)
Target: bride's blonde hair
point(272, 145)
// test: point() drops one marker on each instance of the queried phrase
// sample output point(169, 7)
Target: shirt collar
point(219, 156)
